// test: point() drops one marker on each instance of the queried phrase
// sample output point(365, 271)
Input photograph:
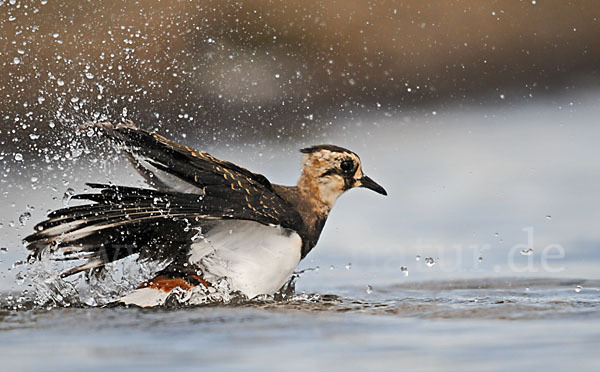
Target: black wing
point(157, 224)
point(170, 166)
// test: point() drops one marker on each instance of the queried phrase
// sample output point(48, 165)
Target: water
point(461, 325)
point(469, 191)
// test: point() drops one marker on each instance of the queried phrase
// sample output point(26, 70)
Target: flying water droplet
point(68, 195)
point(527, 252)
point(18, 156)
point(369, 289)
point(60, 82)
point(578, 288)
point(429, 261)
point(480, 259)
point(4, 250)
point(404, 270)
point(24, 218)
point(548, 217)
point(418, 258)
point(331, 267)
point(348, 266)
point(16, 60)
point(89, 75)
point(19, 278)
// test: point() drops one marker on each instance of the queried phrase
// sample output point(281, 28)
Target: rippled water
point(499, 324)
point(474, 197)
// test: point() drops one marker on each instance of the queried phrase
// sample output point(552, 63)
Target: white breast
point(257, 259)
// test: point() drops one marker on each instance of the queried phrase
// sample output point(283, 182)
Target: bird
point(206, 219)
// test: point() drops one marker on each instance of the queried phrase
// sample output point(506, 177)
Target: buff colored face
point(336, 172)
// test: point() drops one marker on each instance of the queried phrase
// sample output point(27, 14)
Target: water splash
point(67, 196)
point(24, 218)
point(429, 261)
point(527, 252)
point(404, 270)
point(96, 287)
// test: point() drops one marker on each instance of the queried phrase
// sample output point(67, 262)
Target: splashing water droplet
point(19, 278)
point(527, 252)
point(578, 288)
point(369, 289)
point(429, 261)
point(404, 270)
point(24, 218)
point(348, 266)
point(67, 196)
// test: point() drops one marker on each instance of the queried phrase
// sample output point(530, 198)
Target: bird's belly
point(256, 259)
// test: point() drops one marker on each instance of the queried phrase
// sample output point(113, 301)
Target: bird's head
point(331, 170)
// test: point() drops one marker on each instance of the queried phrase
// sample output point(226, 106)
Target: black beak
point(372, 185)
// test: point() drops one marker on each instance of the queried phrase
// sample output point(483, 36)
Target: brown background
point(249, 69)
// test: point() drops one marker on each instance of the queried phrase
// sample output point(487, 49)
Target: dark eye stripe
point(330, 172)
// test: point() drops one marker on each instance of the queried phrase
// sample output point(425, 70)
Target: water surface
point(501, 324)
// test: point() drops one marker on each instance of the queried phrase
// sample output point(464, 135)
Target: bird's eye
point(347, 166)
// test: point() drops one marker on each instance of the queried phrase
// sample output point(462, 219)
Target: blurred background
point(479, 117)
